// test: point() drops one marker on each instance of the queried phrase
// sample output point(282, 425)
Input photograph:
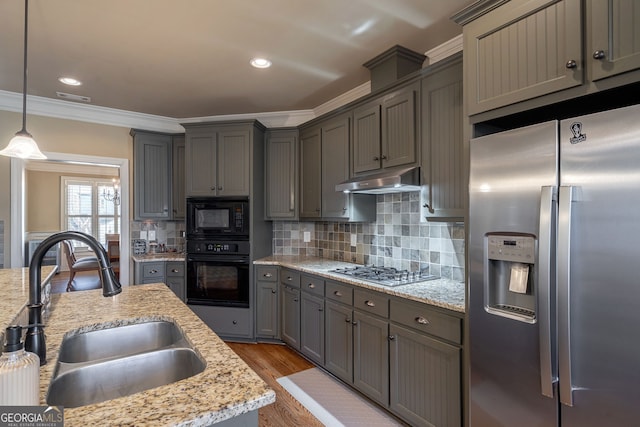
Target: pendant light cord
point(24, 74)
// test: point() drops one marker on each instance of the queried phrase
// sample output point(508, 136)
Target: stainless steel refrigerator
point(554, 273)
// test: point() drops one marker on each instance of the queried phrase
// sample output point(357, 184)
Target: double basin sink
point(105, 364)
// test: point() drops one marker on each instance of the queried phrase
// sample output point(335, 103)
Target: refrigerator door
point(509, 172)
point(599, 294)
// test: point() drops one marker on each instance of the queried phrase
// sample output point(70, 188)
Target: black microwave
point(215, 217)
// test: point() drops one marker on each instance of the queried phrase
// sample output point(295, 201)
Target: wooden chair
point(75, 265)
point(113, 254)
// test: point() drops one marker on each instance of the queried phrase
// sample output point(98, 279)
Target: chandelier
point(112, 196)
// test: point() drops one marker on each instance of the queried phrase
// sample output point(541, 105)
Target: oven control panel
point(218, 247)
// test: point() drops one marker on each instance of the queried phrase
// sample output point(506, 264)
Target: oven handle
point(226, 260)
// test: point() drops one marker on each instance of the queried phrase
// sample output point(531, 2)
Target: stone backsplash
point(397, 239)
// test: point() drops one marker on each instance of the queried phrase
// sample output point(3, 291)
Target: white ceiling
point(190, 58)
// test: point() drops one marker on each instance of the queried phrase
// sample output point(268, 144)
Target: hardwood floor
point(272, 361)
point(83, 281)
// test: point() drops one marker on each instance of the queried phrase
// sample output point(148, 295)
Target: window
point(86, 210)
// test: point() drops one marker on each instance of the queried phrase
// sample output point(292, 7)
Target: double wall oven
point(218, 252)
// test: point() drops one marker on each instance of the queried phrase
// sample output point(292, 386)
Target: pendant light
point(23, 145)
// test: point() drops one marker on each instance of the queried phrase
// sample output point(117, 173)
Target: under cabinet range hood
point(389, 181)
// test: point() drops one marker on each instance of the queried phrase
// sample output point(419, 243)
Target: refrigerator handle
point(545, 268)
point(564, 294)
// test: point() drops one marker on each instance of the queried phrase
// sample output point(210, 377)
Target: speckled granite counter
point(226, 388)
point(167, 256)
point(443, 293)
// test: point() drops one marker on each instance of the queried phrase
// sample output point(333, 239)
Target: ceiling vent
point(72, 97)
point(393, 64)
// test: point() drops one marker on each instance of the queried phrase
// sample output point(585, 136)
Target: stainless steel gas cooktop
point(385, 276)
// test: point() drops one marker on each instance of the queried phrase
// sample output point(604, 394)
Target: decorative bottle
point(19, 372)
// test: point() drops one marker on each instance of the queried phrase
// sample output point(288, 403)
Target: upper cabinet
point(281, 166)
point(178, 196)
point(444, 190)
point(384, 132)
point(324, 163)
point(521, 50)
point(614, 39)
point(217, 160)
point(158, 176)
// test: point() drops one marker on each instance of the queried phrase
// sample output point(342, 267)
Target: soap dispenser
point(19, 372)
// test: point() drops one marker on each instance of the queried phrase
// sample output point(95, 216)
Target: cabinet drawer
point(153, 270)
point(267, 274)
point(370, 302)
point(339, 292)
point(314, 285)
point(290, 277)
point(422, 318)
point(175, 269)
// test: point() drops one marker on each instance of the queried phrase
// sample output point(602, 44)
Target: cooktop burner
point(386, 276)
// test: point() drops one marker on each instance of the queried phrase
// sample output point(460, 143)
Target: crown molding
point(270, 120)
point(444, 50)
point(351, 95)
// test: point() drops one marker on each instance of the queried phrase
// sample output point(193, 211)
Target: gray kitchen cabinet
point(149, 272)
point(267, 302)
point(281, 181)
point(152, 153)
point(371, 356)
point(339, 340)
point(613, 39)
point(312, 327)
point(218, 158)
point(425, 364)
point(310, 173)
point(444, 186)
point(178, 198)
point(384, 132)
point(335, 168)
point(175, 275)
point(521, 50)
point(290, 307)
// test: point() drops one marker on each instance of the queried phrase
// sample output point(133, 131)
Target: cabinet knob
point(295, 300)
point(370, 303)
point(384, 157)
point(289, 278)
point(571, 64)
point(273, 291)
point(235, 322)
point(220, 188)
point(213, 188)
point(320, 309)
point(174, 270)
point(153, 271)
point(268, 275)
point(421, 320)
point(354, 323)
point(392, 337)
point(598, 54)
point(311, 286)
point(337, 293)
point(376, 158)
point(347, 320)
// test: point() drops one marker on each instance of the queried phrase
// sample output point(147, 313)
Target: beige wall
point(61, 136)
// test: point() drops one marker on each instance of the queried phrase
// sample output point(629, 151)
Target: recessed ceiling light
point(70, 81)
point(260, 63)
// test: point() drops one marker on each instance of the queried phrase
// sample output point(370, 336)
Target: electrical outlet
point(306, 236)
point(143, 234)
point(152, 235)
point(354, 239)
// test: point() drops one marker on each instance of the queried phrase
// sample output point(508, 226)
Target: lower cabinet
point(371, 356)
point(172, 273)
point(267, 302)
point(175, 278)
point(290, 320)
point(312, 318)
point(339, 340)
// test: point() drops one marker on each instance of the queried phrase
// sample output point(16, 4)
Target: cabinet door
point(290, 323)
point(371, 357)
point(312, 327)
point(282, 175)
point(177, 286)
point(614, 44)
point(339, 341)
point(335, 168)
point(178, 187)
point(267, 309)
point(234, 151)
point(444, 190)
point(200, 165)
point(399, 129)
point(522, 50)
point(310, 173)
point(152, 185)
point(425, 379)
point(366, 138)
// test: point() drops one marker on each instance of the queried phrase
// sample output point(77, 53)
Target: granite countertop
point(445, 293)
point(166, 256)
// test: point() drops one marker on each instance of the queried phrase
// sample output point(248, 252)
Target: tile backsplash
point(170, 233)
point(397, 239)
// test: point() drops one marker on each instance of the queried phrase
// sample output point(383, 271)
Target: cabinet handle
point(289, 278)
point(354, 323)
point(347, 320)
point(311, 286)
point(428, 207)
point(337, 293)
point(421, 320)
point(571, 64)
point(235, 322)
point(295, 300)
point(376, 158)
point(220, 188)
point(598, 54)
point(392, 337)
point(370, 303)
point(273, 291)
point(213, 188)
point(174, 270)
point(383, 157)
point(153, 271)
point(268, 275)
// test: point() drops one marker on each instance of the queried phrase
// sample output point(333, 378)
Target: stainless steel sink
point(120, 341)
point(106, 364)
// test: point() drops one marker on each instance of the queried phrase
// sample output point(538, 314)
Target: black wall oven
point(218, 272)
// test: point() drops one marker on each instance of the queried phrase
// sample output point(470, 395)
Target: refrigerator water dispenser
point(509, 276)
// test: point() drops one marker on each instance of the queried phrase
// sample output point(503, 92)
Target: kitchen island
point(444, 293)
point(226, 389)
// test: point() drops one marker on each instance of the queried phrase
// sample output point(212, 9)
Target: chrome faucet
point(34, 341)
